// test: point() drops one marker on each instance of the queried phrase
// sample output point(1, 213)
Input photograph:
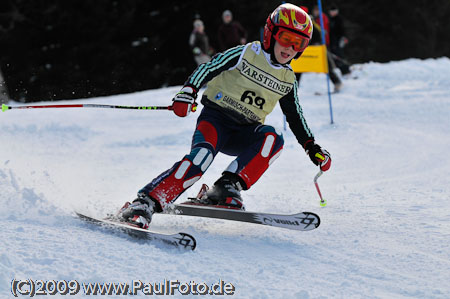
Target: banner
point(313, 60)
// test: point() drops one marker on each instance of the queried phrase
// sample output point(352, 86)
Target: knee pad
point(200, 157)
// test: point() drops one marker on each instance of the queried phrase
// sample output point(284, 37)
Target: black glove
point(318, 155)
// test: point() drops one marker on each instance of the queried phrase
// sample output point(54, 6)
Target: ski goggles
point(288, 38)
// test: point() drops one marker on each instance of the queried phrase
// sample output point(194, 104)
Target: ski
point(179, 240)
point(303, 221)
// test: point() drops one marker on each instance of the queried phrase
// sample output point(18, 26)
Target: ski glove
point(184, 101)
point(318, 155)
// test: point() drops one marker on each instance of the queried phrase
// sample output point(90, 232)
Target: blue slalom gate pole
point(319, 3)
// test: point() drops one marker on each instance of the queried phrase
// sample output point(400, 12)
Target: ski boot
point(139, 212)
point(225, 193)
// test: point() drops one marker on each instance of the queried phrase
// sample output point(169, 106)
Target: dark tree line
point(63, 49)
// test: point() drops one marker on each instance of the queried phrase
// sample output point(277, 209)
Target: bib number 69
point(250, 97)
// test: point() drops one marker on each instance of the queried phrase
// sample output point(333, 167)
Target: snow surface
point(384, 234)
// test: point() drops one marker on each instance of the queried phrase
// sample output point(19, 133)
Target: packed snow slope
point(385, 232)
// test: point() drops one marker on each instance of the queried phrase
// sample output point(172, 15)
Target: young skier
point(244, 84)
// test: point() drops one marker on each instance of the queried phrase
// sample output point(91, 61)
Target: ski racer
point(244, 84)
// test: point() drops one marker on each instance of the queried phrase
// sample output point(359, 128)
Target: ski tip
point(187, 241)
point(4, 107)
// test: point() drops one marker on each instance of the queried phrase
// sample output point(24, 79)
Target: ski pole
point(6, 107)
point(323, 202)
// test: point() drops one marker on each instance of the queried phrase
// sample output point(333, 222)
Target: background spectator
point(338, 40)
point(326, 23)
point(199, 43)
point(317, 39)
point(231, 33)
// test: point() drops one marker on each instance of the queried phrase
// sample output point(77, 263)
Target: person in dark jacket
point(338, 40)
point(199, 43)
point(231, 33)
point(317, 39)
